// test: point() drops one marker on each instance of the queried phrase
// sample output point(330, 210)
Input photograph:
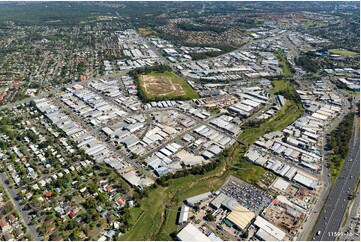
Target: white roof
point(304, 180)
point(269, 228)
point(281, 184)
point(191, 233)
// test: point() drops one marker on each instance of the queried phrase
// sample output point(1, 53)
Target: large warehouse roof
point(219, 200)
point(304, 180)
point(241, 217)
point(191, 233)
point(269, 228)
point(192, 201)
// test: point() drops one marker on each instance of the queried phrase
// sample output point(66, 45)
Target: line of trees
point(290, 94)
point(148, 69)
point(308, 64)
point(194, 170)
point(340, 137)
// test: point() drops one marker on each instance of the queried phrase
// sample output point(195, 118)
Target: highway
point(330, 219)
point(348, 230)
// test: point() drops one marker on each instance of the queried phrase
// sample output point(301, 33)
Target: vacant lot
point(163, 86)
point(146, 31)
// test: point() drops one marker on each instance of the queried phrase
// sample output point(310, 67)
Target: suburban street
point(24, 215)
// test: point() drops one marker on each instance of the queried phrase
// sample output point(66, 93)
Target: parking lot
point(247, 195)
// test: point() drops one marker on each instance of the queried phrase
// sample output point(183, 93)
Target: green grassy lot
point(249, 172)
point(146, 31)
point(157, 86)
point(286, 67)
point(279, 86)
point(343, 52)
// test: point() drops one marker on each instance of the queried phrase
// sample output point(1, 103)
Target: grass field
point(279, 86)
point(286, 67)
point(343, 52)
point(146, 31)
point(165, 86)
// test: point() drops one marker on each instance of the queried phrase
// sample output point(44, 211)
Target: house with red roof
point(72, 215)
point(12, 218)
point(48, 194)
point(5, 227)
point(50, 228)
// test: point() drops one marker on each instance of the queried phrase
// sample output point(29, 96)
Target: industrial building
point(191, 233)
point(192, 201)
point(267, 231)
point(183, 215)
point(241, 217)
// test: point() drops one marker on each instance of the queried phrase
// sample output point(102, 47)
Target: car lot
point(248, 195)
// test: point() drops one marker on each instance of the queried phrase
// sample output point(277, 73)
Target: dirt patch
point(161, 86)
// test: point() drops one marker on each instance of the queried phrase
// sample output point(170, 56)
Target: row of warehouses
point(281, 168)
point(237, 62)
point(112, 89)
point(250, 100)
point(92, 146)
point(91, 106)
point(301, 146)
point(135, 49)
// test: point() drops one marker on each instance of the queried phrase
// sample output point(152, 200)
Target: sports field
point(163, 86)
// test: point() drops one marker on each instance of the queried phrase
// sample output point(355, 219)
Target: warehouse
point(281, 184)
point(241, 217)
point(230, 203)
point(107, 131)
point(183, 216)
point(305, 181)
point(217, 202)
point(192, 201)
point(290, 173)
point(191, 233)
point(130, 141)
point(269, 229)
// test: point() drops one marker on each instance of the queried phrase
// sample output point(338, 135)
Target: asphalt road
point(24, 215)
point(347, 233)
point(331, 217)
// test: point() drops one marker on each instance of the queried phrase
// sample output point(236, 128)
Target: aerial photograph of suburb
point(179, 120)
